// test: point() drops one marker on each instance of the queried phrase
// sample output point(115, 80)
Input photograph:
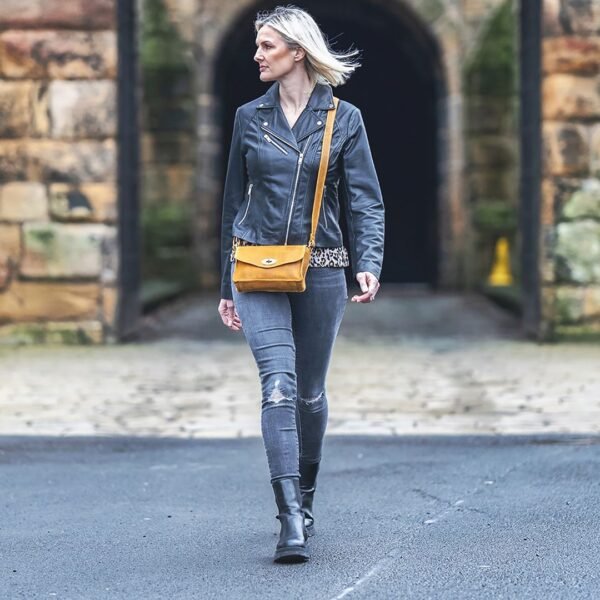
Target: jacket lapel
point(312, 119)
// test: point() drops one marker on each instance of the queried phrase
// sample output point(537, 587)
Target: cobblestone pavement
point(411, 362)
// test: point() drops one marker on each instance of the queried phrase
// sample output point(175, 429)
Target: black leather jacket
point(272, 173)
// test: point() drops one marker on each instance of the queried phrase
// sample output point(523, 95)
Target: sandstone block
point(109, 250)
point(595, 149)
point(570, 54)
point(566, 149)
point(15, 108)
point(74, 162)
point(570, 97)
point(578, 304)
point(74, 14)
point(58, 54)
point(28, 300)
point(62, 249)
point(13, 160)
point(23, 201)
point(83, 109)
point(581, 16)
point(578, 251)
point(85, 202)
point(10, 251)
point(109, 306)
point(584, 203)
point(551, 22)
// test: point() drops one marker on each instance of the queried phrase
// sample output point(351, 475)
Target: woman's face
point(274, 58)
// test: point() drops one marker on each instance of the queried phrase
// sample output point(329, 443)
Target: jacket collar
point(320, 99)
point(308, 122)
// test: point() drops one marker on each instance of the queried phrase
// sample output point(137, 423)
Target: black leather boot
point(292, 538)
point(308, 484)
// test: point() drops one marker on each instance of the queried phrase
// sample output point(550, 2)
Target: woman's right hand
point(229, 315)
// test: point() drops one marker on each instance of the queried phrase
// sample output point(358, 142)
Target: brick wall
point(58, 250)
point(570, 242)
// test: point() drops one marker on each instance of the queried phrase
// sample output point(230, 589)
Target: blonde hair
point(299, 30)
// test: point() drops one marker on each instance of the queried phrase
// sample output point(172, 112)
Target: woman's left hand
point(369, 284)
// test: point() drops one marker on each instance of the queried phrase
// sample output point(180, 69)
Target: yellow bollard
point(500, 273)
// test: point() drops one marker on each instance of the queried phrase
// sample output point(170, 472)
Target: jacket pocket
point(276, 144)
point(247, 205)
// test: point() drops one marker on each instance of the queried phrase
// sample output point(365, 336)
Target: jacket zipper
point(279, 138)
point(323, 205)
point(248, 205)
point(272, 141)
point(300, 159)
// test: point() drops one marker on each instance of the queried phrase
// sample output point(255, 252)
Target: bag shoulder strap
point(322, 171)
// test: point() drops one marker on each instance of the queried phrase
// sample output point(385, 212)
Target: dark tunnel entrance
point(397, 90)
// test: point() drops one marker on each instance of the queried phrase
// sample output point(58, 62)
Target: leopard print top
point(319, 257)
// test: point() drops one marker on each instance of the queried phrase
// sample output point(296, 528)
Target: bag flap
point(267, 257)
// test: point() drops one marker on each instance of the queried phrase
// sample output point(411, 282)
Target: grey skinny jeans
point(291, 336)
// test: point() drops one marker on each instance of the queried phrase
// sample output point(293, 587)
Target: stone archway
point(426, 235)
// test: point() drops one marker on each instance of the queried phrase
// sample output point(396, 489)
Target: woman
point(268, 199)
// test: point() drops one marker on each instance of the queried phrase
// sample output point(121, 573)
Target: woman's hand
point(369, 284)
point(229, 315)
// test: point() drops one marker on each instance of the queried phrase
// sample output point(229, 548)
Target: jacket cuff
point(371, 267)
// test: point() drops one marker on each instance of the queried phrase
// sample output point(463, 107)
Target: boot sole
point(291, 555)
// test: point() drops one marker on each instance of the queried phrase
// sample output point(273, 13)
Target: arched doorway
point(397, 90)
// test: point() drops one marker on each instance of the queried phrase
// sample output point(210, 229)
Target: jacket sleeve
point(233, 195)
point(364, 208)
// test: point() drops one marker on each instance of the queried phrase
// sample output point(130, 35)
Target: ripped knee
point(276, 393)
point(312, 403)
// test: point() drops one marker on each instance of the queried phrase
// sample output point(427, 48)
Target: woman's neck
point(294, 91)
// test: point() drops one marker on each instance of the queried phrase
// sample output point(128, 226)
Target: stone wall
point(491, 137)
point(570, 240)
point(58, 211)
point(168, 113)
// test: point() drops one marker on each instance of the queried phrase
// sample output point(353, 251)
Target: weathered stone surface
point(551, 23)
point(578, 251)
point(13, 160)
point(577, 304)
point(109, 250)
point(570, 97)
point(85, 202)
point(28, 300)
point(584, 203)
point(566, 149)
point(23, 201)
point(63, 250)
point(10, 240)
point(110, 296)
point(58, 54)
point(83, 109)
point(581, 16)
point(23, 109)
point(571, 55)
point(75, 162)
point(74, 14)
point(15, 108)
point(52, 332)
point(595, 150)
point(492, 151)
point(10, 250)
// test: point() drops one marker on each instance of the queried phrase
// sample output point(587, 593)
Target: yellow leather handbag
point(283, 268)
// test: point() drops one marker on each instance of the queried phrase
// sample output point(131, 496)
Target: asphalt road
point(397, 517)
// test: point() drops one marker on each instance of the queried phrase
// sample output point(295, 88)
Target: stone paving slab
point(411, 363)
